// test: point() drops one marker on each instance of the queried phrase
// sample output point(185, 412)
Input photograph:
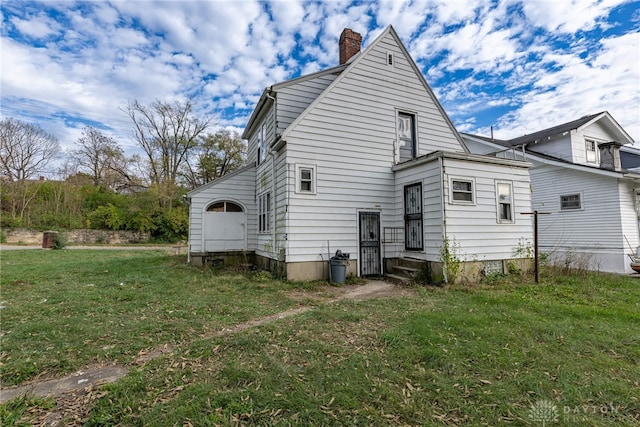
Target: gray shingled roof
point(565, 127)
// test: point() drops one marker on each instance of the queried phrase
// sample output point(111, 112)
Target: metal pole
point(535, 241)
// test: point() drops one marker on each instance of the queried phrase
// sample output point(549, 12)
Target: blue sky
point(516, 65)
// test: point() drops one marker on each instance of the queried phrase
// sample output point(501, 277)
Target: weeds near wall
point(450, 259)
point(572, 261)
point(524, 254)
point(59, 242)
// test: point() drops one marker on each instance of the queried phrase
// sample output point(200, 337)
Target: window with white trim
point(262, 144)
point(592, 151)
point(462, 191)
point(570, 202)
point(390, 59)
point(504, 193)
point(407, 147)
point(306, 179)
point(264, 212)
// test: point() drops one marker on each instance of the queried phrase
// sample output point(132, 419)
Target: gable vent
point(390, 59)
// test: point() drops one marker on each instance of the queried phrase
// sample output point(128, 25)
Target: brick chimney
point(349, 44)
point(610, 156)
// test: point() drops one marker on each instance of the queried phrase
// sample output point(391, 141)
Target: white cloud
point(100, 54)
point(38, 27)
point(568, 16)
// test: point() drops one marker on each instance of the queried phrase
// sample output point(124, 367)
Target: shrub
point(59, 242)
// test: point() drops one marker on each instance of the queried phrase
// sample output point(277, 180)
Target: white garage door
point(224, 227)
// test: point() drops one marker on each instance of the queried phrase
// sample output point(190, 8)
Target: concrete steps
point(405, 271)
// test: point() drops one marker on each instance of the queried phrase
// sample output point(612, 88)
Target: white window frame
point(312, 181)
point(579, 208)
point(400, 141)
point(499, 204)
point(262, 144)
point(471, 181)
point(264, 212)
point(588, 142)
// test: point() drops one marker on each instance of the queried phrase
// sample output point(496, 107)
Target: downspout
point(443, 212)
point(273, 171)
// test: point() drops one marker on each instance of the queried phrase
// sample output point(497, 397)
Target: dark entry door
point(370, 244)
point(413, 217)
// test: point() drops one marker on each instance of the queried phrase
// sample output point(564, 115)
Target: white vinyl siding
point(294, 98)
point(349, 134)
point(475, 227)
point(428, 175)
point(237, 187)
point(596, 229)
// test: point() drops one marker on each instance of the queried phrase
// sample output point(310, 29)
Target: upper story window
point(462, 191)
point(592, 151)
point(262, 144)
point(570, 201)
point(407, 147)
point(504, 192)
point(390, 59)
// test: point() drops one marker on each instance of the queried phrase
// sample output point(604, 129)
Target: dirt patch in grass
point(372, 289)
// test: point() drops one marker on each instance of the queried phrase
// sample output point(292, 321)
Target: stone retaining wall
point(77, 237)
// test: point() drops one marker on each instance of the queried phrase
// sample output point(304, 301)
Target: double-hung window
point(591, 148)
point(264, 212)
point(407, 148)
point(262, 144)
point(504, 192)
point(306, 179)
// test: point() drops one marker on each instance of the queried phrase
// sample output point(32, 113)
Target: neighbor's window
point(504, 191)
point(591, 151)
point(306, 179)
point(406, 136)
point(570, 201)
point(462, 191)
point(264, 212)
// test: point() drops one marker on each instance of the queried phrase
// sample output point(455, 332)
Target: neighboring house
point(360, 158)
point(582, 175)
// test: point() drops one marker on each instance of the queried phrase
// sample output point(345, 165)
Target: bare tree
point(167, 133)
point(99, 156)
point(25, 149)
point(218, 154)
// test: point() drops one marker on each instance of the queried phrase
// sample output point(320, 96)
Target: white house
point(582, 175)
point(362, 158)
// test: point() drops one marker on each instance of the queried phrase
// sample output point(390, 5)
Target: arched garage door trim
point(224, 226)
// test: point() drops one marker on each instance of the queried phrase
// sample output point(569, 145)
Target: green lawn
point(565, 352)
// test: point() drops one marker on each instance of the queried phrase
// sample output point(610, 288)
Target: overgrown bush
point(60, 241)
